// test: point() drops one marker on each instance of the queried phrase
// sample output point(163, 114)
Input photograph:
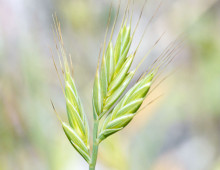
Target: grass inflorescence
point(110, 100)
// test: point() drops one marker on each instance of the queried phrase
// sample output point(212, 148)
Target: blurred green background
point(180, 131)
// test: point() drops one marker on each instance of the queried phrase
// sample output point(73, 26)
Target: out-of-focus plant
point(113, 108)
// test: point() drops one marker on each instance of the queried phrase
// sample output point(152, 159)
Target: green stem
point(95, 146)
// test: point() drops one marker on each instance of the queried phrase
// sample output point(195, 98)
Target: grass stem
point(95, 146)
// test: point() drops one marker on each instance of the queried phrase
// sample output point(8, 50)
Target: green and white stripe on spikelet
point(125, 110)
point(114, 76)
point(78, 131)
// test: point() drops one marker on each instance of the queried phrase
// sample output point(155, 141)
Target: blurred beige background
point(180, 131)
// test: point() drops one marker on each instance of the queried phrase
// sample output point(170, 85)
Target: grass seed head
point(113, 73)
point(78, 130)
point(112, 77)
point(126, 108)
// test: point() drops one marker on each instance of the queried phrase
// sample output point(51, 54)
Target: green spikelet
point(78, 131)
point(77, 142)
point(125, 110)
point(97, 99)
point(113, 73)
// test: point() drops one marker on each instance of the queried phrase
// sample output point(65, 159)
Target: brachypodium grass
point(110, 100)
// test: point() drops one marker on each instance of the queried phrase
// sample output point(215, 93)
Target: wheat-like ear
point(114, 70)
point(112, 77)
point(125, 110)
point(77, 131)
point(115, 84)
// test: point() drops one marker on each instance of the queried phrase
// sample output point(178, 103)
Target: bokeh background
point(179, 131)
